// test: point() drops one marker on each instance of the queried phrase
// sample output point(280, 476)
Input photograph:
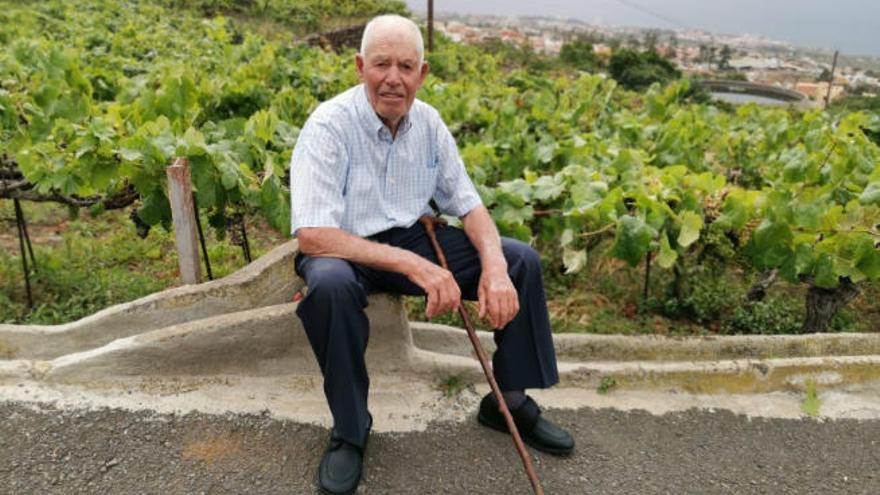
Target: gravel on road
point(49, 450)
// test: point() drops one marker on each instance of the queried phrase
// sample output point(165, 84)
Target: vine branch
point(832, 231)
point(13, 185)
point(600, 231)
point(546, 213)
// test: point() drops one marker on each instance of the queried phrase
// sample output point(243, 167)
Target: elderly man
point(365, 167)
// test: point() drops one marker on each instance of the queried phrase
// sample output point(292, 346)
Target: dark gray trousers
point(337, 327)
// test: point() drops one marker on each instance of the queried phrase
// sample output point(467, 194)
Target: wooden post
point(430, 25)
point(184, 218)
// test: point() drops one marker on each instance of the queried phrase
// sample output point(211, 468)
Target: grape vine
point(96, 97)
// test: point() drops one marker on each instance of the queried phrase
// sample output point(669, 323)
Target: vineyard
point(97, 97)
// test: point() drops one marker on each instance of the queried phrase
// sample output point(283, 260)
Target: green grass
point(453, 385)
point(606, 298)
point(85, 264)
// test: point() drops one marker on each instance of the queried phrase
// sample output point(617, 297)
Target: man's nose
point(393, 76)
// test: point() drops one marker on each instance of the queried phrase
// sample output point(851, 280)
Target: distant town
point(757, 59)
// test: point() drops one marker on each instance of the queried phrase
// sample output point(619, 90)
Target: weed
point(453, 385)
point(607, 384)
point(706, 295)
point(811, 404)
point(778, 315)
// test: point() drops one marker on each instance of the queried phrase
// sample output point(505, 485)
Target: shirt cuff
point(463, 207)
point(296, 225)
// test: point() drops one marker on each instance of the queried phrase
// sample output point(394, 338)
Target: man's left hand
point(497, 297)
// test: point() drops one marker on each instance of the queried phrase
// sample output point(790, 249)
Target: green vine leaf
point(691, 223)
point(667, 255)
point(631, 240)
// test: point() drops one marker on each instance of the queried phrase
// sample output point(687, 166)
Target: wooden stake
point(183, 216)
point(19, 222)
point(202, 238)
point(27, 239)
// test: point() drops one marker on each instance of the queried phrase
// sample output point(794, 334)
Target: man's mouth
point(391, 95)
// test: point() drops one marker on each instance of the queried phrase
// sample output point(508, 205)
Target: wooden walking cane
point(428, 222)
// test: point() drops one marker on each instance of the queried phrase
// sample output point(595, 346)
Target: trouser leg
point(333, 316)
point(525, 357)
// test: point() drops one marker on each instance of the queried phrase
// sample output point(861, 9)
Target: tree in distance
point(579, 54)
point(638, 70)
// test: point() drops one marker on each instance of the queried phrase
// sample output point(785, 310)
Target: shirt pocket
point(419, 180)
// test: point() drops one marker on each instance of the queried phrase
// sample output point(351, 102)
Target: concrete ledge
point(705, 365)
point(243, 342)
point(711, 377)
point(267, 281)
point(589, 347)
point(270, 342)
point(244, 325)
point(258, 342)
point(659, 348)
point(731, 377)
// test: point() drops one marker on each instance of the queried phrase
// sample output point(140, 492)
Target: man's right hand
point(438, 283)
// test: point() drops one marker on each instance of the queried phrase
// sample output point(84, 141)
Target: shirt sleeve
point(318, 168)
point(455, 194)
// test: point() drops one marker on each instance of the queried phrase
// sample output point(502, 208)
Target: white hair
point(392, 21)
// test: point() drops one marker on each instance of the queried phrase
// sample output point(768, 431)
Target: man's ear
point(359, 63)
point(424, 72)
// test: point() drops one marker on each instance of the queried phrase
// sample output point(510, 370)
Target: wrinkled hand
point(439, 285)
point(498, 298)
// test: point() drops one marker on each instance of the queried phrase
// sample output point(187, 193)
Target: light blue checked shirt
point(347, 172)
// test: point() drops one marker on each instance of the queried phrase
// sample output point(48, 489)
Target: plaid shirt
point(347, 172)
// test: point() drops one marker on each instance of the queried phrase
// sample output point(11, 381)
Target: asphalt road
point(44, 450)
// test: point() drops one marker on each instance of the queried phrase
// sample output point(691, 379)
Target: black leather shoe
point(341, 466)
point(534, 429)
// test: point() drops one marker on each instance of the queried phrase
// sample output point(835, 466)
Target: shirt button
point(391, 181)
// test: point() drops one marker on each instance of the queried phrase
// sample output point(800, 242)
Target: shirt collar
point(372, 123)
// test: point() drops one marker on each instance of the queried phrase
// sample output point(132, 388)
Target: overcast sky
point(853, 26)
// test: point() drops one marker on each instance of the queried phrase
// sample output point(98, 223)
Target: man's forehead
point(382, 56)
point(393, 43)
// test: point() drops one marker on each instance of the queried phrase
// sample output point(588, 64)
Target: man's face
point(392, 74)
